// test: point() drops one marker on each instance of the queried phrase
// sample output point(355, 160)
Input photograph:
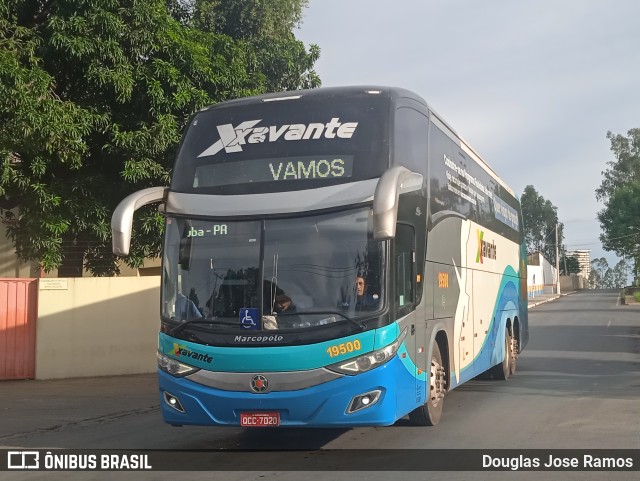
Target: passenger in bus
point(365, 300)
point(284, 304)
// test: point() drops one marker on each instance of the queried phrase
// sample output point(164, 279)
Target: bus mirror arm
point(122, 218)
point(395, 181)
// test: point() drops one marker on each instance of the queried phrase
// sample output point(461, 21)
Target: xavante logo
point(233, 138)
point(485, 249)
point(179, 351)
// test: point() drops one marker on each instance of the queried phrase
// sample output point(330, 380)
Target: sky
point(532, 85)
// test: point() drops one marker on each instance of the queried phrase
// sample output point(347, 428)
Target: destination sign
point(274, 170)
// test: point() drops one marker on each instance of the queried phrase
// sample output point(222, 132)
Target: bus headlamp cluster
point(173, 367)
point(371, 360)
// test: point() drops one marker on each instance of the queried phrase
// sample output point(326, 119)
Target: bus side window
point(404, 266)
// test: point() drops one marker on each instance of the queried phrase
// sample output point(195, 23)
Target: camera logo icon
point(23, 460)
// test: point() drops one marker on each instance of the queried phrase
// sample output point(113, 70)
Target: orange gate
point(18, 314)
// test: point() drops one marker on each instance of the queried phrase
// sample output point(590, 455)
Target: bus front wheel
point(430, 412)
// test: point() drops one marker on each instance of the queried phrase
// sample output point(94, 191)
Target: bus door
point(465, 308)
point(405, 297)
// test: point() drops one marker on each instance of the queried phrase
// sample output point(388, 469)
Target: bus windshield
point(292, 273)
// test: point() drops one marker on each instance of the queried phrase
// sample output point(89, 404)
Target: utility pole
point(557, 264)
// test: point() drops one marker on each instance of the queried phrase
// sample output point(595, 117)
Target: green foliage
point(602, 276)
point(620, 192)
point(540, 218)
point(569, 265)
point(265, 28)
point(247, 19)
point(94, 96)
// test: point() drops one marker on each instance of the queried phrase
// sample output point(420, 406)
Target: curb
point(534, 304)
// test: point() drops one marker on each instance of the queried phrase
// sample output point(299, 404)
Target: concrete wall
point(97, 326)
point(550, 277)
point(574, 282)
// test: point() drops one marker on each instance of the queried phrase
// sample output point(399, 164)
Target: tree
point(569, 265)
point(265, 26)
point(620, 193)
point(540, 218)
point(94, 95)
point(620, 274)
point(602, 276)
point(246, 19)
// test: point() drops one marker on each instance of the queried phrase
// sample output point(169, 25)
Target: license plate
point(259, 420)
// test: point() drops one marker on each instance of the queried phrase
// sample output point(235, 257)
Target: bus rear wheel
point(507, 368)
point(430, 412)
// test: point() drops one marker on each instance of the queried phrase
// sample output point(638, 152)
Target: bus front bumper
point(324, 405)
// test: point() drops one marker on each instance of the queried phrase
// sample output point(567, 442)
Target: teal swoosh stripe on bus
point(409, 365)
point(496, 326)
point(494, 330)
point(273, 359)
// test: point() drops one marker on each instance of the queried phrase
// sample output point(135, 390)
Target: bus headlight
point(371, 360)
point(173, 367)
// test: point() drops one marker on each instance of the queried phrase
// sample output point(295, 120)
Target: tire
point(514, 356)
point(507, 367)
point(430, 412)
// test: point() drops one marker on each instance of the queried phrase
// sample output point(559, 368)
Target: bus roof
point(389, 92)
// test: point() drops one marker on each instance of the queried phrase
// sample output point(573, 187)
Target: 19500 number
point(344, 348)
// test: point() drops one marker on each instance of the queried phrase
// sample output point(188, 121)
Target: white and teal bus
point(332, 257)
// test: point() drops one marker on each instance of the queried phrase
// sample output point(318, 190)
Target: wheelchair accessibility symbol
point(249, 318)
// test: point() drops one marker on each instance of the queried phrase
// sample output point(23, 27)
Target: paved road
point(577, 386)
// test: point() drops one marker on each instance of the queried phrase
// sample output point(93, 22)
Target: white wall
point(545, 276)
point(535, 280)
point(97, 326)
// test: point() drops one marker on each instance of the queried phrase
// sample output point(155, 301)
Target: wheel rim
point(437, 383)
point(513, 354)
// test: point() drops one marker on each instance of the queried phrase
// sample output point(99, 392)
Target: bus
point(332, 257)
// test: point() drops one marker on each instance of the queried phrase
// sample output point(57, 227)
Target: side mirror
point(122, 218)
point(395, 181)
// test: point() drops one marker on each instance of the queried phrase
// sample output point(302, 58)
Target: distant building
point(584, 261)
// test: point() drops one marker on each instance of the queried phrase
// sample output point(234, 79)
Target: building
point(584, 261)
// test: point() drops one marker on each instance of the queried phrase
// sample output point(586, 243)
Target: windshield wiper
point(360, 325)
point(213, 322)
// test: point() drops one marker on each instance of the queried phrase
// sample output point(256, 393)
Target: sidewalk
point(542, 298)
